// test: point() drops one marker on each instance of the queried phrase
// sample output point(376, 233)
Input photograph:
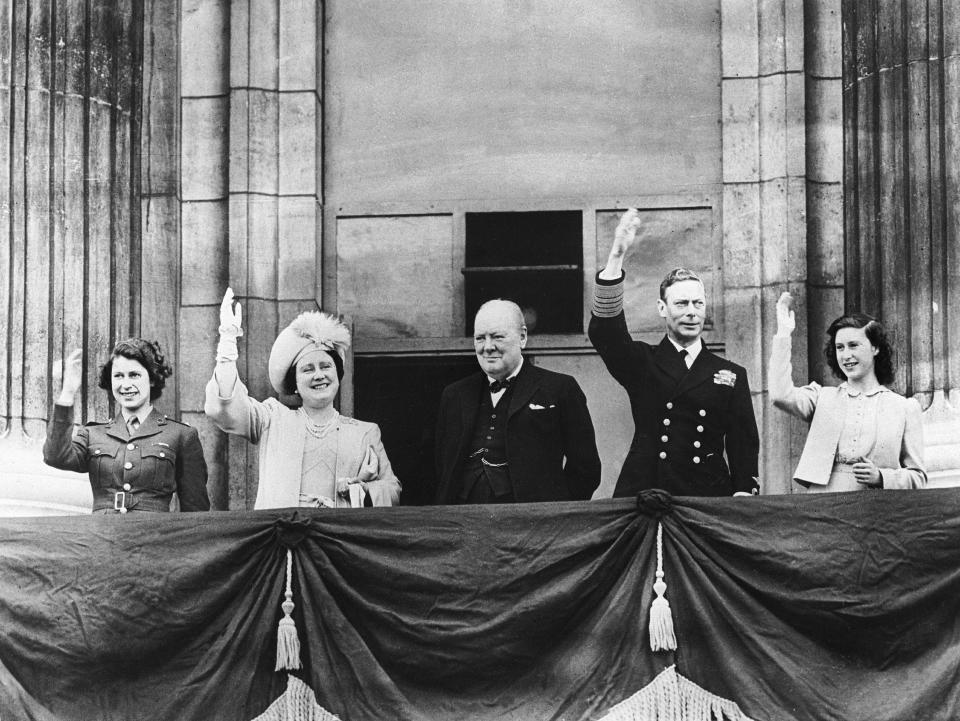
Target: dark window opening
point(532, 258)
point(402, 396)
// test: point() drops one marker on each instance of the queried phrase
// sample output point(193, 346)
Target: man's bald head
point(499, 336)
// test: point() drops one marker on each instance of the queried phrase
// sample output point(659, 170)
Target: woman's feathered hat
point(313, 330)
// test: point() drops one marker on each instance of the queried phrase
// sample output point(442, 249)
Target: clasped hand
point(867, 473)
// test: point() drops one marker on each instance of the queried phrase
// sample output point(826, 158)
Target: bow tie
point(498, 386)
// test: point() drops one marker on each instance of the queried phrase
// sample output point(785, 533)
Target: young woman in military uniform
point(140, 458)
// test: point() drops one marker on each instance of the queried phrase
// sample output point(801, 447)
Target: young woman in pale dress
point(862, 434)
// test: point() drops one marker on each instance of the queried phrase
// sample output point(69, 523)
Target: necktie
point(683, 357)
point(498, 386)
point(133, 424)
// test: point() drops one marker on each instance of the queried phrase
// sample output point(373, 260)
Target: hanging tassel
point(288, 644)
point(662, 637)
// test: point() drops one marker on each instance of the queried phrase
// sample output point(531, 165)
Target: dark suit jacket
point(684, 419)
point(547, 421)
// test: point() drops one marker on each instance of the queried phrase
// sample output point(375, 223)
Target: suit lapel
point(668, 360)
point(469, 403)
point(151, 425)
point(117, 428)
point(524, 387)
point(703, 369)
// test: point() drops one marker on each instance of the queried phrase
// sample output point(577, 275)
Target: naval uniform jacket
point(685, 420)
point(137, 471)
point(547, 422)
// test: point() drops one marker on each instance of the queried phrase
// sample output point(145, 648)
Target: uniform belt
point(123, 501)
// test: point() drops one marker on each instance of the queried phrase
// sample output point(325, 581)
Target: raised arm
point(62, 449)
point(231, 328)
point(608, 327)
point(623, 239)
point(227, 402)
point(800, 402)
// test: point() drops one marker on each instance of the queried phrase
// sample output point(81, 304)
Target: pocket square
point(536, 407)
point(725, 377)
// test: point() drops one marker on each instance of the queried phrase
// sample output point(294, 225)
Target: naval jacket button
point(126, 486)
point(699, 429)
point(130, 446)
point(128, 465)
point(664, 438)
point(123, 510)
point(696, 459)
point(666, 421)
point(669, 405)
point(663, 454)
point(696, 444)
point(702, 412)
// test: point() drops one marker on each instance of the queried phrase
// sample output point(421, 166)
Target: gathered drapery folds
point(835, 606)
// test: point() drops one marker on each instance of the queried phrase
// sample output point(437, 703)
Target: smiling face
point(499, 337)
point(855, 353)
point(130, 384)
point(684, 308)
point(317, 382)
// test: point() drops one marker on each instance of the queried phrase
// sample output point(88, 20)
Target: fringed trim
point(671, 697)
point(288, 644)
point(298, 703)
point(662, 637)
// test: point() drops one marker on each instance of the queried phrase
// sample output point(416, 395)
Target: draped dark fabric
point(819, 607)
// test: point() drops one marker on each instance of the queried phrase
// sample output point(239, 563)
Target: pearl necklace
point(319, 430)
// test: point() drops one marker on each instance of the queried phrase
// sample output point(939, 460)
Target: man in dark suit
point(503, 433)
point(690, 407)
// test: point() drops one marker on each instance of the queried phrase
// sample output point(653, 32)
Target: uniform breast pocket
point(160, 467)
point(103, 462)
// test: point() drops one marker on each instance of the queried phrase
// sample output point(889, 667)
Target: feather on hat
point(313, 330)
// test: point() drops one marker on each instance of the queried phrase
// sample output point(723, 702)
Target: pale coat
point(898, 451)
point(281, 434)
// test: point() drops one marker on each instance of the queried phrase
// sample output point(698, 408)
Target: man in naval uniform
point(513, 432)
point(695, 431)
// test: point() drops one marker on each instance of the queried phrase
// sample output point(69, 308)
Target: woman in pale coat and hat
point(862, 434)
point(309, 456)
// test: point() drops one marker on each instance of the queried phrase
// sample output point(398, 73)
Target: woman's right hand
point(231, 317)
point(786, 322)
point(72, 378)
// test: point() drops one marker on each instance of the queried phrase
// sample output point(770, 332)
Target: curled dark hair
point(677, 275)
point(145, 352)
point(290, 377)
point(876, 334)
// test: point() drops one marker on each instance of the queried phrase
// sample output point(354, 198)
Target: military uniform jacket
point(685, 420)
point(146, 468)
point(548, 421)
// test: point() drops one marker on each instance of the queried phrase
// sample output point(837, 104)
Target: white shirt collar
point(853, 393)
point(141, 415)
point(491, 379)
point(693, 350)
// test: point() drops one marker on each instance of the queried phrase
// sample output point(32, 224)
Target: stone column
point(824, 128)
point(274, 215)
point(69, 208)
point(901, 92)
point(764, 202)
